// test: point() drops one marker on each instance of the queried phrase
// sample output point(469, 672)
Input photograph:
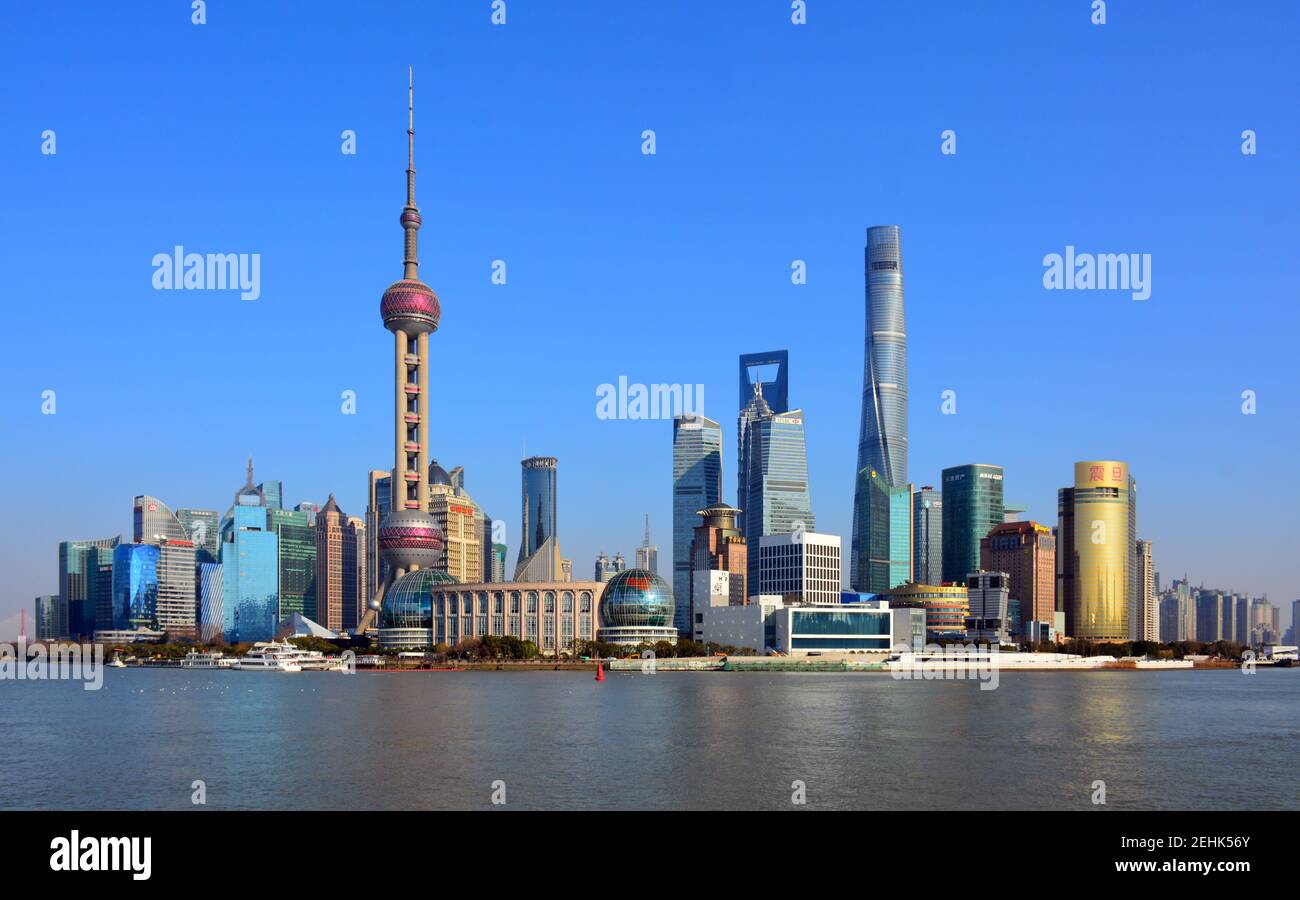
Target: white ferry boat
point(283, 656)
point(270, 656)
point(950, 659)
point(213, 660)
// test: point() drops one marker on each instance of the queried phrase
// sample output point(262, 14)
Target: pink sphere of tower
point(411, 306)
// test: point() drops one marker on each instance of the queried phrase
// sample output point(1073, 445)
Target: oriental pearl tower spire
point(409, 539)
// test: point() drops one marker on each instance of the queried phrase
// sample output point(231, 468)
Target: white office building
point(802, 567)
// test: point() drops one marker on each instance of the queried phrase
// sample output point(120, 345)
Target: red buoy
point(600, 671)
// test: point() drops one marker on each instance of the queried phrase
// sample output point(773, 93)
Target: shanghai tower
point(882, 437)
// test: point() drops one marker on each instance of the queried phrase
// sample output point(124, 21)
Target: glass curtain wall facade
point(210, 600)
point(539, 501)
point(697, 485)
point(273, 492)
point(203, 528)
point(135, 587)
point(250, 556)
point(884, 528)
point(86, 584)
point(927, 536)
point(758, 397)
point(972, 507)
point(296, 541)
point(882, 435)
point(777, 482)
point(378, 506)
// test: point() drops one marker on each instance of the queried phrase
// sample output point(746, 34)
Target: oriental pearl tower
point(409, 538)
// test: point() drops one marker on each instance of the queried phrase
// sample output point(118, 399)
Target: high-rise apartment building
point(697, 485)
point(1026, 552)
point(1209, 616)
point(972, 507)
point(882, 434)
point(1148, 601)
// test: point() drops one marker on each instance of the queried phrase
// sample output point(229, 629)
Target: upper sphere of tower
point(411, 306)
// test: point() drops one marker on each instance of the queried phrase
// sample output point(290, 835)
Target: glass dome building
point(637, 607)
point(406, 617)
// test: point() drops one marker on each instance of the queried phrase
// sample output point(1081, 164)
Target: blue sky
point(775, 142)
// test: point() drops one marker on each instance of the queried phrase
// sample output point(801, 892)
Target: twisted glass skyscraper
point(882, 441)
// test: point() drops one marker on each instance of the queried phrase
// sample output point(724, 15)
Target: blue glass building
point(135, 587)
point(883, 525)
point(882, 436)
point(538, 504)
point(776, 484)
point(250, 559)
point(697, 485)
